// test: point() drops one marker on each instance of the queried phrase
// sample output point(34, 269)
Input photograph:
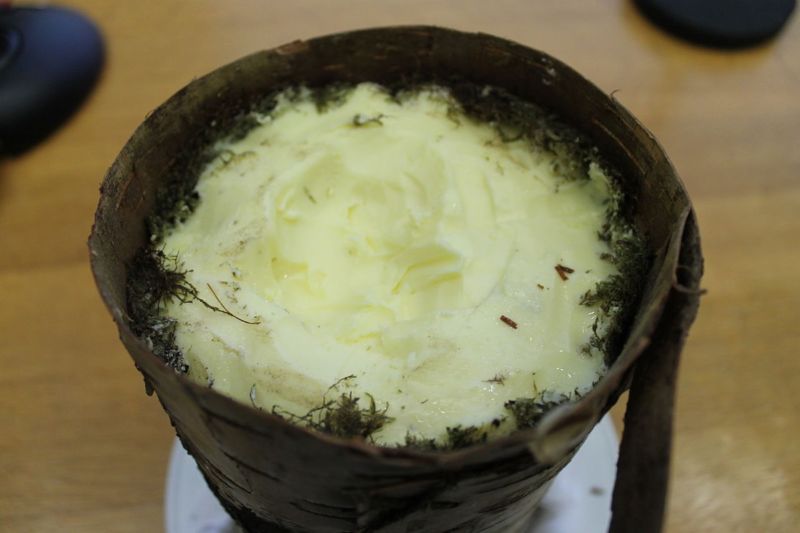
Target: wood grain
point(83, 449)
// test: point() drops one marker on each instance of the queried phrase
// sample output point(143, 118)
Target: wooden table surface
point(83, 449)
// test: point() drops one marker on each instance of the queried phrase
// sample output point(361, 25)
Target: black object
point(720, 23)
point(50, 59)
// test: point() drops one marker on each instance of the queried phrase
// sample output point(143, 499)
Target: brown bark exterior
point(275, 476)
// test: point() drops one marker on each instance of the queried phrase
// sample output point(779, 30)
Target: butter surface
point(382, 242)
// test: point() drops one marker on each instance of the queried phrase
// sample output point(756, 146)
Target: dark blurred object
point(50, 59)
point(720, 23)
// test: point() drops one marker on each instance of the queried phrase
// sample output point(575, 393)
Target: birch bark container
point(272, 475)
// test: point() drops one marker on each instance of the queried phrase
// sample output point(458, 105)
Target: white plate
point(578, 500)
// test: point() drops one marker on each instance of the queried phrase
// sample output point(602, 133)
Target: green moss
point(174, 204)
point(153, 280)
point(329, 96)
point(420, 443)
point(528, 412)
point(516, 119)
point(346, 418)
point(617, 295)
point(343, 415)
point(455, 438)
point(463, 436)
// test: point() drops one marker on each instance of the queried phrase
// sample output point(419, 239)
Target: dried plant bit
point(498, 379)
point(343, 382)
point(508, 322)
point(309, 195)
point(563, 271)
point(226, 310)
point(253, 395)
point(226, 156)
point(360, 120)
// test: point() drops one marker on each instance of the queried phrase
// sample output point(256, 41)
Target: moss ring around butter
point(366, 458)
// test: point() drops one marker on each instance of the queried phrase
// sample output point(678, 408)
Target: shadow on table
point(690, 55)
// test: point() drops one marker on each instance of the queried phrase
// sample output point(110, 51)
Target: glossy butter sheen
point(385, 241)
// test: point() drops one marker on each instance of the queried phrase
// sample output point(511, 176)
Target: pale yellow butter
point(385, 241)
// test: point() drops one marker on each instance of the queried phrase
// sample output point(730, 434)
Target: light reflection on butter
point(389, 251)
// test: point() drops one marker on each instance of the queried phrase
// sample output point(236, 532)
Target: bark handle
point(640, 490)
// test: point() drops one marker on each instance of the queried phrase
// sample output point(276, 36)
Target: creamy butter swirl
point(384, 240)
